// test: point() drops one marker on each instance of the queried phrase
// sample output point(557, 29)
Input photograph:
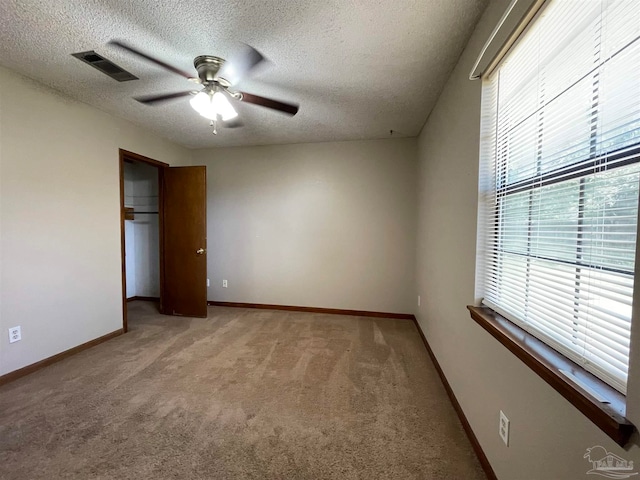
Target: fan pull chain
point(215, 126)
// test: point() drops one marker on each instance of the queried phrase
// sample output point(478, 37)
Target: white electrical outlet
point(208, 283)
point(224, 284)
point(503, 428)
point(418, 300)
point(15, 334)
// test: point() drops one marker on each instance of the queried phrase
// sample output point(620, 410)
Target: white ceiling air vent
point(105, 66)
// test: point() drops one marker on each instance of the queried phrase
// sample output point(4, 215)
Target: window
point(560, 174)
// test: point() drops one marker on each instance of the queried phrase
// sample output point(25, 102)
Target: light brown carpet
point(243, 394)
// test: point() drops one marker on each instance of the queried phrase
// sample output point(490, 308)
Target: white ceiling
point(358, 68)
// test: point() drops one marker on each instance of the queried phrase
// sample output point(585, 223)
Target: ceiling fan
point(217, 78)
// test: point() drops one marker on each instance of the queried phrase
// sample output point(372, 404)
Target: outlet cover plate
point(15, 334)
point(503, 428)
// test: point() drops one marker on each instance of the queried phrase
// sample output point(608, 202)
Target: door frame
point(123, 156)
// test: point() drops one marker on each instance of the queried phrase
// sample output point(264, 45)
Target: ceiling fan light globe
point(229, 116)
point(213, 106)
point(223, 107)
point(201, 102)
point(210, 115)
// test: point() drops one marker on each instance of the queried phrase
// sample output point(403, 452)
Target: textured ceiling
point(358, 68)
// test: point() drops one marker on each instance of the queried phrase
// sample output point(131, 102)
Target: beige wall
point(548, 436)
point(323, 225)
point(59, 218)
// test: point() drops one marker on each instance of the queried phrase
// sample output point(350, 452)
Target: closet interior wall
point(142, 260)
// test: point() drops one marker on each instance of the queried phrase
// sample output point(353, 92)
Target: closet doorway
point(163, 235)
point(140, 189)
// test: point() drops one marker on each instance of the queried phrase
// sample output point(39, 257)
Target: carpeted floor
point(243, 394)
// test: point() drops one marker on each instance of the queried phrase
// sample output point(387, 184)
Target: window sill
point(608, 414)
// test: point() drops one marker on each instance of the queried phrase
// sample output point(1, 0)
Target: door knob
point(200, 251)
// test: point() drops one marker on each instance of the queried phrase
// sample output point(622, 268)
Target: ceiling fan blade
point(241, 64)
point(155, 99)
point(149, 58)
point(288, 108)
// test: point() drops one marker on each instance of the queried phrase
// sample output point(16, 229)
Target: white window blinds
point(560, 168)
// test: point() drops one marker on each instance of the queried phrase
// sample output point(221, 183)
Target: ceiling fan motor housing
point(208, 67)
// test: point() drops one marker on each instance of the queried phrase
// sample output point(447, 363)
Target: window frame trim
point(617, 416)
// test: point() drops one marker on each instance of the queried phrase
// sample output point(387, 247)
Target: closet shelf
point(130, 213)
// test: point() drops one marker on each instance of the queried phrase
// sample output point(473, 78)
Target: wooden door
point(184, 235)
